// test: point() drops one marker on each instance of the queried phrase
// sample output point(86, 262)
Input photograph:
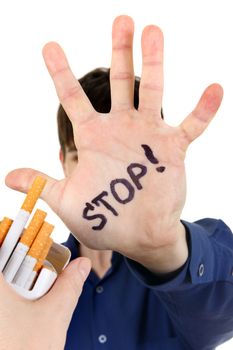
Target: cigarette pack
point(29, 259)
point(58, 257)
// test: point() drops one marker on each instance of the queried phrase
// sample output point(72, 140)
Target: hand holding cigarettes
point(29, 259)
point(48, 316)
point(21, 247)
point(23, 253)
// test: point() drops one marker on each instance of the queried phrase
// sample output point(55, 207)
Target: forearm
point(199, 297)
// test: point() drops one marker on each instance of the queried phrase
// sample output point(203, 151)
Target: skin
point(41, 324)
point(100, 259)
point(148, 229)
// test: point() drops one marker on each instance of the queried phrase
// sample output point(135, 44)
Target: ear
point(62, 160)
point(61, 156)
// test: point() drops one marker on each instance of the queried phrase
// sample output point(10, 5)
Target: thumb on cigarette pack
point(63, 296)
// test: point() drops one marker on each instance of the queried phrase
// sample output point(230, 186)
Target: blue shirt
point(132, 309)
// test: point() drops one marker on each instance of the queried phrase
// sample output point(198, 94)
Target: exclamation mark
point(150, 156)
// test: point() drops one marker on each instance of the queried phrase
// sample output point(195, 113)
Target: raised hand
point(128, 189)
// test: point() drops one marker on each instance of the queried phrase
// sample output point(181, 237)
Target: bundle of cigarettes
point(23, 250)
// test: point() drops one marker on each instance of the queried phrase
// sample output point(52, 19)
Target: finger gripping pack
point(29, 258)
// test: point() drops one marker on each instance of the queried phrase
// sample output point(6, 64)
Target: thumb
point(21, 180)
point(63, 297)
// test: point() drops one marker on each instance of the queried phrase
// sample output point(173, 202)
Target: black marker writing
point(122, 190)
point(102, 218)
point(127, 185)
point(99, 199)
point(149, 154)
point(135, 176)
point(160, 169)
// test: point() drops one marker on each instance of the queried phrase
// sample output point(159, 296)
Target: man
point(167, 287)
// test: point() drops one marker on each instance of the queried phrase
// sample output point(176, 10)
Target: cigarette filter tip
point(43, 255)
point(33, 228)
point(33, 194)
point(4, 228)
point(41, 240)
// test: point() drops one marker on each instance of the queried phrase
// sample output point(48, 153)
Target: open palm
point(128, 189)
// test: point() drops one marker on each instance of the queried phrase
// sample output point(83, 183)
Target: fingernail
point(84, 267)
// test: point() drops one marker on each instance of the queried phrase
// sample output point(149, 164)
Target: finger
point(70, 93)
point(121, 72)
point(198, 120)
point(151, 85)
point(21, 180)
point(63, 297)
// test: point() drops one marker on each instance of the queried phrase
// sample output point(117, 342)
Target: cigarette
point(24, 245)
point(20, 221)
point(34, 274)
point(33, 194)
point(4, 228)
point(33, 255)
point(43, 255)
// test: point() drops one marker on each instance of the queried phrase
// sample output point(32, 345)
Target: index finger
point(69, 91)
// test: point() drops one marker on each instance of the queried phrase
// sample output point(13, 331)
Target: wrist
point(168, 258)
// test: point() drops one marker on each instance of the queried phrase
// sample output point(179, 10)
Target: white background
point(198, 51)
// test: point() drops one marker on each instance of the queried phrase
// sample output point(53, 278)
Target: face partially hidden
point(69, 160)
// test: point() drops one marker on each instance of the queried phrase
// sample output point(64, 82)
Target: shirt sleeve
point(199, 296)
